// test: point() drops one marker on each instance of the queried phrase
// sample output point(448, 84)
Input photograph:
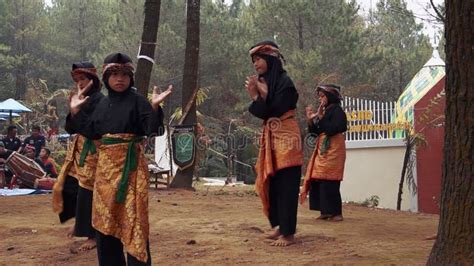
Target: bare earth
point(226, 225)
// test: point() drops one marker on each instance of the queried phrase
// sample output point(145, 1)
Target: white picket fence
point(370, 120)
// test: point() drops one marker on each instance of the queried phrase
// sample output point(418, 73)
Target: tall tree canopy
point(322, 41)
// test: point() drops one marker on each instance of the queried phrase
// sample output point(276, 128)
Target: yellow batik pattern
point(126, 221)
point(85, 174)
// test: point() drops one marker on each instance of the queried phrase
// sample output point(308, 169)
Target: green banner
point(183, 141)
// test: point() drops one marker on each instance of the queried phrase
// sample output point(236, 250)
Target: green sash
point(87, 147)
point(324, 145)
point(131, 163)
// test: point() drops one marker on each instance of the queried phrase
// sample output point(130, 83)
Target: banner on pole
point(183, 141)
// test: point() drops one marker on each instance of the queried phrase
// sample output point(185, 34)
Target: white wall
point(374, 168)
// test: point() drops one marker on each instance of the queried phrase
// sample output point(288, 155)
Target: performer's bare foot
point(324, 217)
point(70, 232)
point(284, 241)
point(274, 234)
point(336, 218)
point(87, 245)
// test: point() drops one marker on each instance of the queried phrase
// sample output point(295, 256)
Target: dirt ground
point(226, 225)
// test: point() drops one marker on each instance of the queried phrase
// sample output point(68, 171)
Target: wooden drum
point(25, 169)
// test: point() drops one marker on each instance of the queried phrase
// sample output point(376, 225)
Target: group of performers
point(274, 100)
point(103, 182)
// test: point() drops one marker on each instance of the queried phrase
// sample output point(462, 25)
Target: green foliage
point(396, 48)
point(23, 26)
point(323, 41)
point(75, 29)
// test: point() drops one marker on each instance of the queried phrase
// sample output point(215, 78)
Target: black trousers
point(69, 198)
point(325, 196)
point(83, 226)
point(284, 190)
point(110, 252)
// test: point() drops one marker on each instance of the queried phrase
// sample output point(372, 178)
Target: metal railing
point(372, 120)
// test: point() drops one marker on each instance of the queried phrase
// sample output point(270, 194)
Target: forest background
point(372, 56)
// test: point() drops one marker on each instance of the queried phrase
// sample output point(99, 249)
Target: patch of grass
point(371, 202)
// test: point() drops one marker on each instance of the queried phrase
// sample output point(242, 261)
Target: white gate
point(372, 120)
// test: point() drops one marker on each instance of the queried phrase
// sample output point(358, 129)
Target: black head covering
point(90, 71)
point(117, 62)
point(274, 67)
point(332, 92)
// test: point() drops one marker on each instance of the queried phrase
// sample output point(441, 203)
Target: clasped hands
point(256, 87)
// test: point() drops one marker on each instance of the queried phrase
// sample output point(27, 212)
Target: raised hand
point(83, 91)
point(322, 108)
point(158, 97)
point(251, 86)
point(310, 114)
point(78, 99)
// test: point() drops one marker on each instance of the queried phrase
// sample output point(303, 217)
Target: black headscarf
point(268, 50)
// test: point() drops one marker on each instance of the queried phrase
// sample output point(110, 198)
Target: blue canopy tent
point(7, 115)
point(11, 106)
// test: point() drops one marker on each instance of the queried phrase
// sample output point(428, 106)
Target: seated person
point(48, 163)
point(50, 169)
point(36, 140)
point(30, 152)
point(4, 154)
point(11, 141)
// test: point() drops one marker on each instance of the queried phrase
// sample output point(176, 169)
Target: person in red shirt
point(50, 169)
point(48, 163)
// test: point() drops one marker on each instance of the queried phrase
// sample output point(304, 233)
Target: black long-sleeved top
point(285, 99)
point(333, 122)
point(125, 112)
point(36, 141)
point(4, 155)
point(12, 144)
point(87, 110)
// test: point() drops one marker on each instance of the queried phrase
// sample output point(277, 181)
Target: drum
point(25, 169)
point(45, 183)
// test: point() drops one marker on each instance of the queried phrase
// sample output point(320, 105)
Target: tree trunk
point(404, 170)
point(184, 179)
point(82, 29)
point(401, 84)
point(455, 240)
point(147, 46)
point(20, 83)
point(19, 41)
point(300, 33)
